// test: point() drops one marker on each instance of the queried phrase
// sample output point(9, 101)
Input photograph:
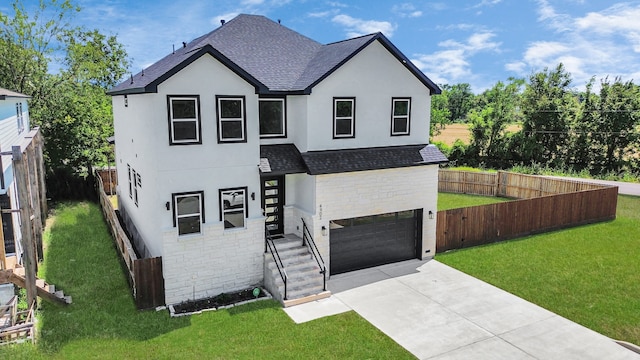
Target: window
point(135, 188)
point(272, 118)
point(231, 115)
point(401, 108)
point(130, 183)
point(184, 120)
point(344, 118)
point(233, 207)
point(188, 211)
point(19, 117)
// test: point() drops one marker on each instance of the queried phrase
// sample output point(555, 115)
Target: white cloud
point(322, 14)
point(406, 10)
point(358, 27)
point(451, 65)
point(251, 2)
point(484, 3)
point(589, 45)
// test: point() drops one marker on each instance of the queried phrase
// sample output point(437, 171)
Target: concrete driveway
point(437, 312)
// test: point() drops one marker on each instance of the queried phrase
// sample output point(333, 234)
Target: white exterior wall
point(217, 260)
point(354, 194)
point(9, 134)
point(373, 77)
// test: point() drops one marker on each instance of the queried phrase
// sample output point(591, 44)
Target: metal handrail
point(269, 245)
point(307, 238)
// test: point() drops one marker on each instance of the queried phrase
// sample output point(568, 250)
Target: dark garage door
point(363, 242)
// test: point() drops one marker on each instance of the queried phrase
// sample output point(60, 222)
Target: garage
point(363, 242)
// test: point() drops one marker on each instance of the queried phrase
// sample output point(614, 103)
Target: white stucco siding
point(355, 194)
point(374, 76)
point(297, 121)
point(135, 140)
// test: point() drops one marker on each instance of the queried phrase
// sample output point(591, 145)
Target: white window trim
point(224, 211)
point(283, 133)
point(195, 120)
point(352, 118)
point(200, 214)
point(394, 117)
point(241, 119)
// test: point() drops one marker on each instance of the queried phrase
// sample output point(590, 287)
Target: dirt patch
point(452, 132)
point(220, 301)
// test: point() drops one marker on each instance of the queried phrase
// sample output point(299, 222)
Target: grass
point(448, 201)
point(587, 274)
point(103, 322)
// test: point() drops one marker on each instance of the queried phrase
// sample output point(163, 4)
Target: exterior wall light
point(324, 230)
point(430, 214)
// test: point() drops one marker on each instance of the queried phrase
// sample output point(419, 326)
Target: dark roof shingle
point(283, 159)
point(349, 160)
point(269, 56)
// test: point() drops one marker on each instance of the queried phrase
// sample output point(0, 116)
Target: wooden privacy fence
point(547, 204)
point(109, 180)
point(144, 275)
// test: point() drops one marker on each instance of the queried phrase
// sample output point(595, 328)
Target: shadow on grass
point(82, 260)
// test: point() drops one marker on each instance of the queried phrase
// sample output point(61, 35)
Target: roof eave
point(152, 87)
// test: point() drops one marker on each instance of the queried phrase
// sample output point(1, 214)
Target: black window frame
point(245, 207)
point(174, 200)
point(284, 118)
point(219, 120)
point(170, 120)
point(352, 117)
point(130, 183)
point(394, 116)
point(135, 187)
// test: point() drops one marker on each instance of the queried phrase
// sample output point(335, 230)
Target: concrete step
point(306, 299)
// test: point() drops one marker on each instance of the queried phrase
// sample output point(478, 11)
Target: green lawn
point(448, 201)
point(102, 322)
point(589, 274)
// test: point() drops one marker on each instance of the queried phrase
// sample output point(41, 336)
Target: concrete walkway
point(437, 312)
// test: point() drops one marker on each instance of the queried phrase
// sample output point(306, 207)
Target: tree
point(460, 99)
point(548, 106)
point(71, 106)
point(440, 115)
point(488, 137)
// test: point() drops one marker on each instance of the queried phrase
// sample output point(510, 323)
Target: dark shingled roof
point(340, 161)
point(266, 54)
point(283, 159)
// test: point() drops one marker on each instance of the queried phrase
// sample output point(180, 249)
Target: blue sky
point(474, 41)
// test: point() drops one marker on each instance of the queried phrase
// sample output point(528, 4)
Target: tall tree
point(460, 100)
point(488, 125)
point(548, 107)
point(70, 105)
point(440, 115)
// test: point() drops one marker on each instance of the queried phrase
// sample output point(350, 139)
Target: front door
point(273, 203)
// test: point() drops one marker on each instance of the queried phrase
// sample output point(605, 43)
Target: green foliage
point(447, 201)
point(440, 114)
point(103, 322)
point(460, 100)
point(70, 105)
point(586, 274)
point(548, 107)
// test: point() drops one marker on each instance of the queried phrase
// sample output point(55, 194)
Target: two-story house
point(254, 126)
point(14, 125)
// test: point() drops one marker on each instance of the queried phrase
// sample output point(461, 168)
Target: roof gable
point(271, 57)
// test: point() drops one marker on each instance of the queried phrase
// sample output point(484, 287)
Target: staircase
point(305, 281)
point(44, 289)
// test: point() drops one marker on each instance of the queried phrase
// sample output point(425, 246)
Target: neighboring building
point(14, 125)
point(255, 126)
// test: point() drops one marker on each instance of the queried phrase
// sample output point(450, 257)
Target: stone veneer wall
point(354, 194)
point(217, 261)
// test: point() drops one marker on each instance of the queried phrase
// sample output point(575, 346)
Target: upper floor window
point(233, 207)
point(188, 212)
point(184, 120)
point(400, 116)
point(344, 117)
point(273, 122)
point(19, 117)
point(231, 119)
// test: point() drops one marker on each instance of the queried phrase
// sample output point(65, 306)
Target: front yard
point(103, 322)
point(587, 274)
